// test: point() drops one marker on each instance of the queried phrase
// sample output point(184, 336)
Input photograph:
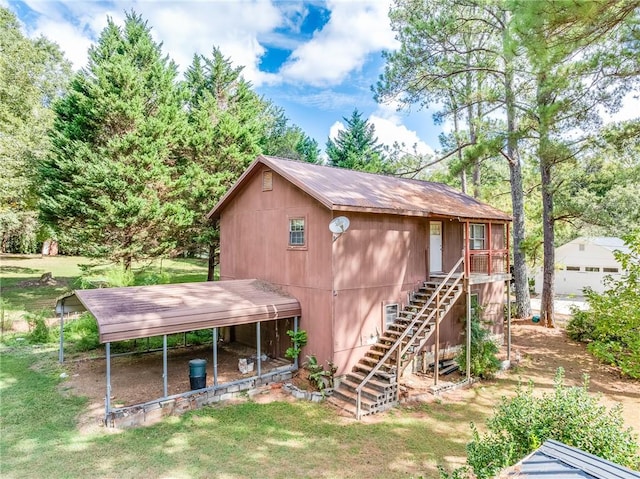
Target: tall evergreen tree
point(356, 147)
point(226, 126)
point(109, 183)
point(32, 74)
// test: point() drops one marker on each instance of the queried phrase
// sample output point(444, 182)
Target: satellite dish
point(339, 225)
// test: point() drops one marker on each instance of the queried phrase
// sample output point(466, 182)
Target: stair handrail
point(431, 314)
point(400, 338)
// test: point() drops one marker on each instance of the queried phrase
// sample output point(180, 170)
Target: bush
point(38, 329)
point(569, 415)
point(614, 323)
point(83, 332)
point(484, 362)
point(581, 325)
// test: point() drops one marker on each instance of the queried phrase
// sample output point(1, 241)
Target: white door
point(435, 247)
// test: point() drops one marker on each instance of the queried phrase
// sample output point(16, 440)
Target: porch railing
point(482, 261)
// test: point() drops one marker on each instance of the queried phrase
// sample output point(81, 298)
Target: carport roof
point(143, 311)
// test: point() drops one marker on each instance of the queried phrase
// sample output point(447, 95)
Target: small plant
point(298, 340)
point(581, 325)
point(484, 362)
point(38, 329)
point(320, 377)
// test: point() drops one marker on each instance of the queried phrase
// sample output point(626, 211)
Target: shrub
point(83, 332)
point(568, 414)
point(38, 329)
point(581, 325)
point(320, 377)
point(484, 362)
point(614, 321)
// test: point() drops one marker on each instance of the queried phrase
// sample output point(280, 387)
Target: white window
point(296, 232)
point(610, 270)
point(476, 236)
point(573, 268)
point(592, 269)
point(390, 313)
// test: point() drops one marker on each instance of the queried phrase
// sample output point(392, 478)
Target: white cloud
point(354, 30)
point(73, 42)
point(389, 130)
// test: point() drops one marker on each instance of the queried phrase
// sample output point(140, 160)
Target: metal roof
point(143, 311)
point(340, 189)
point(557, 460)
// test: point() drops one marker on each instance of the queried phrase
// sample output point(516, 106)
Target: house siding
point(254, 242)
point(342, 284)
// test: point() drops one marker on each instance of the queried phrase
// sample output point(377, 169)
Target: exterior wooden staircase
point(373, 385)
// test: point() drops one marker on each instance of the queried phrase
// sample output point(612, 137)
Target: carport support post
point(164, 365)
point(258, 351)
point(295, 330)
point(215, 356)
point(107, 400)
point(61, 353)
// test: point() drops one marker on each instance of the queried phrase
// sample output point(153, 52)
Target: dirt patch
point(536, 350)
point(537, 353)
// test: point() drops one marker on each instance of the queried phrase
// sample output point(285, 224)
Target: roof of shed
point(143, 311)
point(557, 460)
point(340, 189)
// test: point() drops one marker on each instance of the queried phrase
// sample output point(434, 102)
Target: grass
point(19, 275)
point(278, 439)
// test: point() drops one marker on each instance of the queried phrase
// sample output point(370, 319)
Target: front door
point(435, 247)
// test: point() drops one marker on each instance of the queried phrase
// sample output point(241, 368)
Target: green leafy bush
point(484, 362)
point(568, 414)
point(581, 325)
point(82, 332)
point(38, 329)
point(320, 377)
point(612, 324)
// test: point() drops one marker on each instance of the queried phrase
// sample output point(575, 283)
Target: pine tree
point(357, 147)
point(109, 184)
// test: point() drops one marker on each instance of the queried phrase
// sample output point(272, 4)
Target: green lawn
point(277, 439)
point(19, 275)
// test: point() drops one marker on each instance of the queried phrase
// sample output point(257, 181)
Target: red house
point(394, 281)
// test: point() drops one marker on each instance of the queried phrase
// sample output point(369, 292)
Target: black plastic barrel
point(198, 373)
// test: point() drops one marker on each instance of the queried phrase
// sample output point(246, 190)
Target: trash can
point(535, 318)
point(198, 373)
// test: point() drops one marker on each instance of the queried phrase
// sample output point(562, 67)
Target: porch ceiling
point(143, 311)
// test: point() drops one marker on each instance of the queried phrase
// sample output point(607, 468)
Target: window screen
point(296, 232)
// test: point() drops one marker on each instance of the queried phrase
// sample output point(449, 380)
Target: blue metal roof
point(557, 460)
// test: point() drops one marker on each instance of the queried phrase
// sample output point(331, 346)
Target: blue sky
point(316, 59)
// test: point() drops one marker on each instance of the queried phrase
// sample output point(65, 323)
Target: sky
point(315, 59)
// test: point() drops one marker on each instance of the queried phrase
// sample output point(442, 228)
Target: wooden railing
point(397, 345)
point(483, 261)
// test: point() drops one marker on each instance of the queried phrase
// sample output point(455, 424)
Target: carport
point(159, 310)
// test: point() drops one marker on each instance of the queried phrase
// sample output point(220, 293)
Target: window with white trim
point(592, 269)
point(390, 313)
point(296, 232)
point(476, 236)
point(610, 270)
point(573, 268)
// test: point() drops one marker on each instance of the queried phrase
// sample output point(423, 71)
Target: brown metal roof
point(143, 311)
point(341, 189)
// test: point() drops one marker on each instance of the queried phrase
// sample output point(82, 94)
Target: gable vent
point(267, 180)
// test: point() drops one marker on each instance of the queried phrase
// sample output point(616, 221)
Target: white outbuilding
point(584, 262)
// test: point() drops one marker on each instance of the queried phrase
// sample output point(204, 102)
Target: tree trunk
point(212, 263)
point(521, 283)
point(546, 161)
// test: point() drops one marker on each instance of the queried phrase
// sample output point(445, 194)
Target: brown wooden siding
point(254, 242)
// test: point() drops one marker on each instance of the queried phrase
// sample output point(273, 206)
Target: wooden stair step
point(375, 382)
